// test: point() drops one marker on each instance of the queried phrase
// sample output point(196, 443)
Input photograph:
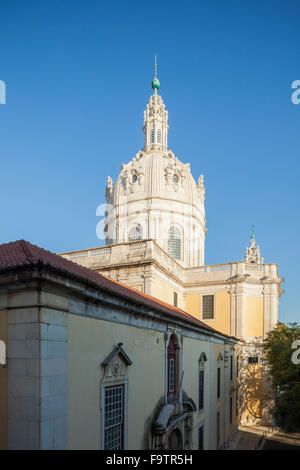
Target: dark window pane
point(253, 360)
point(201, 389)
point(200, 437)
point(207, 307)
point(113, 418)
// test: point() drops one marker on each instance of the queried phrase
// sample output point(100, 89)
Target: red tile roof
point(22, 253)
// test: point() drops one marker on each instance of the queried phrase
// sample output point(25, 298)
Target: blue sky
point(78, 77)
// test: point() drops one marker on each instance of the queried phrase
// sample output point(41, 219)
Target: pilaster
point(37, 377)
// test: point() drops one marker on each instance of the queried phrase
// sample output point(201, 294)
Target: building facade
point(92, 364)
point(155, 232)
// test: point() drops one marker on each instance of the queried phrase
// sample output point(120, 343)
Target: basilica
point(137, 344)
point(155, 241)
point(155, 232)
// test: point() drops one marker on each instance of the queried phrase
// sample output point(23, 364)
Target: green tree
point(285, 374)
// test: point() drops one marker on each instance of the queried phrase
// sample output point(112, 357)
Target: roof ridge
point(26, 250)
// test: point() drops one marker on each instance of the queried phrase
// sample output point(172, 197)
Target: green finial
point(252, 232)
point(155, 81)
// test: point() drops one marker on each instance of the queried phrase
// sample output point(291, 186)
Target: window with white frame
point(174, 242)
point(208, 307)
point(114, 417)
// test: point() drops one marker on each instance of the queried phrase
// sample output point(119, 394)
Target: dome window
point(174, 242)
point(134, 178)
point(175, 178)
point(135, 233)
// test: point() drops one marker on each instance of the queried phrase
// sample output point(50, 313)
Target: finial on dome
point(155, 81)
point(252, 232)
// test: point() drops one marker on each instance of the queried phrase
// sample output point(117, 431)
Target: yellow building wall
point(164, 292)
point(230, 386)
point(253, 383)
point(190, 366)
point(222, 313)
point(254, 316)
point(89, 342)
point(3, 386)
point(222, 320)
point(193, 305)
point(218, 404)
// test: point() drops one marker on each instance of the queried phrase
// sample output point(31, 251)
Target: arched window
point(174, 242)
point(202, 361)
point(220, 358)
point(172, 368)
point(231, 363)
point(159, 136)
point(135, 233)
point(152, 135)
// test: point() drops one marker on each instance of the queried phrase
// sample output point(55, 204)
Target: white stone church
point(155, 231)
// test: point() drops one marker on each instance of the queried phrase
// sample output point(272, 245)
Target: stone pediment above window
point(202, 357)
point(202, 360)
point(116, 363)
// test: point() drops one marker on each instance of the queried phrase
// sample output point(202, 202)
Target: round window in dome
point(175, 178)
point(134, 178)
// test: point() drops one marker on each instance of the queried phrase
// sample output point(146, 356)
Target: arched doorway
point(175, 441)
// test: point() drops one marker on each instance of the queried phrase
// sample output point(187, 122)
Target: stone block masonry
point(37, 375)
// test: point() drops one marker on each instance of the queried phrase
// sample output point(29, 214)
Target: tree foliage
point(285, 374)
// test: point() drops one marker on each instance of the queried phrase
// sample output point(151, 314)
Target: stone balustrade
point(149, 250)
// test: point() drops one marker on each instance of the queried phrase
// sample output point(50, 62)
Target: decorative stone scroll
point(175, 173)
point(133, 174)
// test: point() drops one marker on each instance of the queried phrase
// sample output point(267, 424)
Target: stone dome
point(156, 195)
point(157, 174)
